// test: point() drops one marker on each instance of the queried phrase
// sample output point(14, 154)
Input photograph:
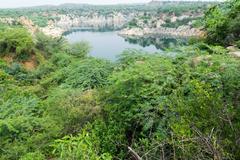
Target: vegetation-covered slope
point(222, 23)
point(74, 107)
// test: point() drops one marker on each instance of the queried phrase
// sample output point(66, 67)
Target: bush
point(49, 45)
point(16, 42)
point(222, 23)
point(168, 101)
point(84, 146)
point(33, 155)
point(238, 44)
point(23, 127)
point(88, 74)
point(80, 49)
point(184, 106)
point(61, 60)
point(72, 109)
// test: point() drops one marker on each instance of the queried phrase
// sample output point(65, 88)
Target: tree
point(222, 23)
point(49, 45)
point(17, 42)
point(80, 49)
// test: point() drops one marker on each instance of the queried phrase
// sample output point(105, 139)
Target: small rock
point(197, 60)
point(231, 48)
point(235, 54)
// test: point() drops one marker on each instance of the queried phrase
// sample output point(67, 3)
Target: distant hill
point(164, 2)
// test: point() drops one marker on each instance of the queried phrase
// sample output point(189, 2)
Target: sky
point(26, 3)
point(21, 3)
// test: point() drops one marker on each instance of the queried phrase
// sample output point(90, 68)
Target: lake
point(109, 45)
point(106, 45)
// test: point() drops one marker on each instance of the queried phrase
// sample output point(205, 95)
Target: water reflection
point(161, 42)
point(108, 44)
point(106, 28)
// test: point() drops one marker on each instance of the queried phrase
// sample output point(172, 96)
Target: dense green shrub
point(222, 23)
point(72, 106)
point(40, 21)
point(33, 155)
point(168, 101)
point(17, 42)
point(23, 127)
point(238, 44)
point(88, 74)
point(133, 23)
point(80, 49)
point(72, 109)
point(84, 146)
point(61, 60)
point(49, 45)
point(83, 74)
point(179, 23)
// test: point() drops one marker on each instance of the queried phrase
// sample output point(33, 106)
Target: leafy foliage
point(16, 41)
point(73, 106)
point(222, 23)
point(173, 100)
point(23, 127)
point(49, 45)
point(80, 49)
point(84, 146)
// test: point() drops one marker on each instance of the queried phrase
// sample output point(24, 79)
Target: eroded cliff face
point(62, 23)
point(49, 30)
point(28, 24)
point(95, 20)
point(145, 23)
point(7, 20)
point(157, 25)
point(182, 31)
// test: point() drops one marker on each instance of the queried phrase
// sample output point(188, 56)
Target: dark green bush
point(80, 49)
point(160, 103)
point(84, 146)
point(222, 23)
point(180, 106)
point(88, 74)
point(49, 45)
point(23, 127)
point(16, 42)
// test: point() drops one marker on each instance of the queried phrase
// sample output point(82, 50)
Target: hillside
point(116, 17)
point(59, 103)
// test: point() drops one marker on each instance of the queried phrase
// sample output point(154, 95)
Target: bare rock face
point(28, 24)
point(9, 20)
point(91, 20)
point(182, 31)
point(174, 19)
point(236, 54)
point(52, 31)
point(160, 23)
point(234, 51)
point(132, 32)
point(231, 48)
point(197, 60)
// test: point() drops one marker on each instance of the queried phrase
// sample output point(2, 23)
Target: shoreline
point(182, 31)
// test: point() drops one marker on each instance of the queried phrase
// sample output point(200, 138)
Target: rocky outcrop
point(28, 24)
point(235, 54)
point(234, 51)
point(197, 60)
point(94, 20)
point(182, 31)
point(9, 20)
point(50, 30)
point(159, 23)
